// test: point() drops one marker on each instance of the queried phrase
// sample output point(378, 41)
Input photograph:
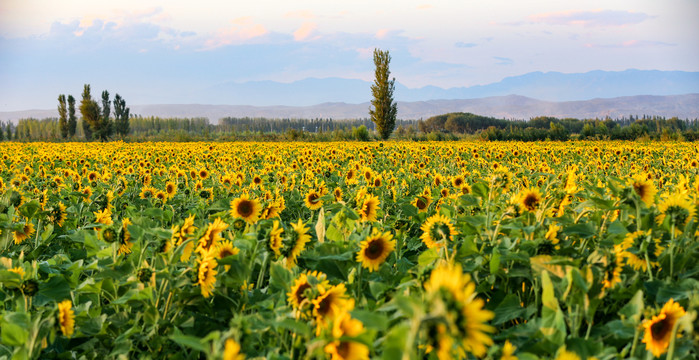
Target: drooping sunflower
point(275, 238)
point(297, 242)
point(330, 303)
point(611, 270)
point(367, 211)
point(658, 330)
point(211, 238)
point(207, 274)
point(374, 250)
point(337, 193)
point(452, 296)
point(678, 208)
point(20, 235)
point(103, 217)
point(342, 349)
point(147, 192)
point(436, 229)
point(246, 209)
point(644, 188)
point(66, 318)
point(312, 200)
point(530, 199)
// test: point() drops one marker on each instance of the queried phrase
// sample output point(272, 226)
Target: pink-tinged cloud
point(241, 30)
point(425, 6)
point(381, 33)
point(305, 31)
point(365, 53)
point(590, 18)
point(631, 44)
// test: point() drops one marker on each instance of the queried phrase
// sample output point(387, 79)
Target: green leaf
point(10, 279)
point(191, 342)
point(583, 230)
point(634, 309)
point(372, 319)
point(280, 276)
point(508, 309)
point(56, 289)
point(495, 261)
point(295, 326)
point(13, 331)
point(553, 325)
point(427, 258)
point(395, 342)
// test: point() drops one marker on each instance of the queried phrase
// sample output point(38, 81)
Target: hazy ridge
point(509, 107)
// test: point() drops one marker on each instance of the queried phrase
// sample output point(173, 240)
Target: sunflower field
point(396, 250)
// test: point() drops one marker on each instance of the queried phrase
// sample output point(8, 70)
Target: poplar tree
point(121, 116)
point(384, 109)
point(105, 127)
point(63, 116)
point(72, 121)
point(90, 111)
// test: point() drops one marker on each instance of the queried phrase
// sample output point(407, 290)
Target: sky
point(160, 51)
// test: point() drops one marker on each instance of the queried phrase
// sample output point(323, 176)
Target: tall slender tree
point(384, 109)
point(63, 116)
point(72, 121)
point(90, 111)
point(106, 128)
point(2, 131)
point(121, 116)
point(9, 131)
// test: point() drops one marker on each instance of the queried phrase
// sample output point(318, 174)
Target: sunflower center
point(299, 292)
point(458, 182)
point(661, 328)
point(245, 208)
point(374, 249)
point(324, 305)
point(313, 198)
point(531, 201)
point(344, 349)
point(420, 204)
point(226, 252)
point(640, 189)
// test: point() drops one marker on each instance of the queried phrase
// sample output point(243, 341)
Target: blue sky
point(159, 51)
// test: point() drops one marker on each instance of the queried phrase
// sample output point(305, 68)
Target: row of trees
point(96, 120)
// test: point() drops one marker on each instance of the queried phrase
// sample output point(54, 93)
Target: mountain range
point(583, 95)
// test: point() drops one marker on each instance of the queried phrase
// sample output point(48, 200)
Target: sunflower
point(231, 351)
point(508, 351)
point(224, 249)
point(207, 274)
point(204, 174)
point(329, 303)
point(630, 250)
point(275, 238)
point(452, 297)
point(337, 193)
point(296, 296)
point(298, 240)
point(375, 249)
point(103, 217)
point(368, 210)
point(246, 209)
point(611, 270)
point(677, 208)
point(125, 243)
point(458, 181)
point(210, 240)
point(644, 188)
point(170, 189)
point(20, 235)
point(66, 318)
point(341, 348)
point(564, 354)
point(530, 199)
point(147, 192)
point(658, 330)
point(436, 229)
point(422, 203)
point(312, 200)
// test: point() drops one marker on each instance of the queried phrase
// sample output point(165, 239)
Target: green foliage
point(361, 133)
point(90, 111)
point(384, 109)
point(63, 116)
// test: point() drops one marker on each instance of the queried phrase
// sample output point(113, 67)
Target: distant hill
point(550, 86)
point(508, 107)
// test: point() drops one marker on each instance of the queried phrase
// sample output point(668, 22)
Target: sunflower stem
point(672, 252)
point(359, 283)
point(263, 270)
point(650, 273)
point(635, 341)
point(673, 339)
point(38, 231)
